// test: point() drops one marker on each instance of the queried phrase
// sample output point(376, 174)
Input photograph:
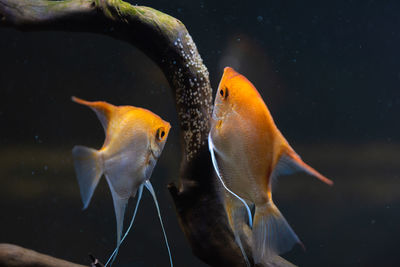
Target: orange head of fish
point(158, 135)
point(234, 92)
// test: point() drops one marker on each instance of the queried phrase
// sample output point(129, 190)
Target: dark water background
point(328, 70)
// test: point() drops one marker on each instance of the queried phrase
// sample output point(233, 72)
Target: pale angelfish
point(135, 138)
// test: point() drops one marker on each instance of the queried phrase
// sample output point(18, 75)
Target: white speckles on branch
point(193, 95)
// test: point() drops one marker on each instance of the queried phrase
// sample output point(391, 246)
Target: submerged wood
point(15, 256)
point(167, 42)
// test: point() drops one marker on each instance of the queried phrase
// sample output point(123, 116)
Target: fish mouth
point(221, 114)
point(216, 116)
point(216, 111)
point(154, 154)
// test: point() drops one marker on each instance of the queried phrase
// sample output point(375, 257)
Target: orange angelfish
point(135, 138)
point(248, 153)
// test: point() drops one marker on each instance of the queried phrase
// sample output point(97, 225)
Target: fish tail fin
point(88, 168)
point(277, 261)
point(272, 235)
point(151, 190)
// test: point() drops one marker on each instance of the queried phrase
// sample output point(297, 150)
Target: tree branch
point(165, 40)
point(15, 256)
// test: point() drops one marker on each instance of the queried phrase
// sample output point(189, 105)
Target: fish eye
point(224, 92)
point(160, 134)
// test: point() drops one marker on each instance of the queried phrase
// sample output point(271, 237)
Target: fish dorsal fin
point(102, 109)
point(289, 162)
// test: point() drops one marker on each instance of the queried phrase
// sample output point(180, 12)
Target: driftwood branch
point(15, 256)
point(167, 42)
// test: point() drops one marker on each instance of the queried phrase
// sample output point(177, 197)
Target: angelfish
point(248, 153)
point(135, 138)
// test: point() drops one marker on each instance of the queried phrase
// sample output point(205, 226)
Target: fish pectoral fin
point(290, 163)
point(151, 190)
point(215, 164)
point(272, 235)
point(88, 168)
